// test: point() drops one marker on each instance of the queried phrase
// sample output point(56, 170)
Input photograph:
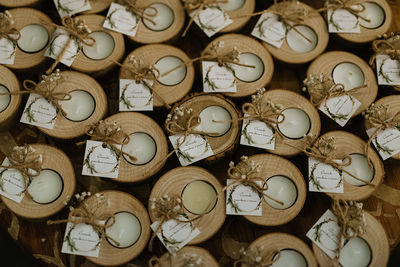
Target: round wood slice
point(98, 6)
point(9, 80)
point(238, 23)
point(18, 3)
point(168, 260)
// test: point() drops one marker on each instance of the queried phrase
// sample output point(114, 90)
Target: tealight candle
point(290, 258)
point(103, 47)
point(298, 43)
point(374, 13)
point(163, 19)
point(360, 168)
point(142, 146)
point(34, 37)
point(126, 230)
point(80, 107)
point(356, 253)
point(232, 5)
point(199, 197)
point(211, 114)
point(46, 187)
point(168, 63)
point(248, 74)
point(348, 74)
point(283, 189)
point(4, 99)
point(296, 124)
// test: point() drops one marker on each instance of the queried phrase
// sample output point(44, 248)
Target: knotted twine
point(140, 11)
point(6, 30)
point(258, 257)
point(185, 260)
point(355, 7)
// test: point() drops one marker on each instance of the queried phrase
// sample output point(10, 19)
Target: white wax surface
point(348, 74)
point(215, 113)
point(248, 74)
point(141, 146)
point(359, 167)
point(34, 37)
point(126, 229)
point(283, 189)
point(356, 253)
point(232, 5)
point(4, 99)
point(199, 197)
point(46, 187)
point(298, 43)
point(80, 107)
point(374, 13)
point(103, 47)
point(168, 63)
point(296, 123)
point(164, 18)
point(290, 258)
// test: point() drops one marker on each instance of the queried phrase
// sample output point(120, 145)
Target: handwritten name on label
point(211, 19)
point(12, 184)
point(135, 96)
point(217, 78)
point(341, 20)
point(323, 177)
point(257, 134)
point(341, 108)
point(121, 20)
point(270, 29)
point(195, 148)
point(71, 7)
point(386, 142)
point(39, 112)
point(242, 200)
point(388, 70)
point(7, 51)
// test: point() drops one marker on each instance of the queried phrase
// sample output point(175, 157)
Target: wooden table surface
point(37, 238)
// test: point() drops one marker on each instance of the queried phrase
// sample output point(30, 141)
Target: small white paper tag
point(257, 134)
point(323, 177)
point(7, 51)
point(217, 78)
point(120, 20)
point(195, 148)
point(175, 235)
point(341, 20)
point(211, 19)
point(324, 233)
point(341, 108)
point(101, 161)
point(71, 7)
point(243, 200)
point(12, 184)
point(57, 44)
point(388, 70)
point(135, 96)
point(81, 239)
point(387, 142)
point(270, 29)
point(39, 112)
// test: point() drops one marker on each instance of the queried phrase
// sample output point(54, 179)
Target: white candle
point(296, 124)
point(374, 13)
point(46, 187)
point(283, 189)
point(356, 253)
point(103, 47)
point(168, 63)
point(163, 18)
point(248, 74)
point(290, 258)
point(232, 5)
point(359, 168)
point(199, 197)
point(348, 74)
point(34, 37)
point(80, 107)
point(142, 147)
point(215, 113)
point(4, 99)
point(126, 229)
point(298, 43)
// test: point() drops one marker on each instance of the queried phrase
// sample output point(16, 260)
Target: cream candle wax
point(142, 147)
point(4, 99)
point(374, 13)
point(102, 48)
point(168, 63)
point(283, 189)
point(80, 107)
point(199, 197)
point(46, 187)
point(232, 5)
point(249, 74)
point(348, 74)
point(34, 37)
point(360, 168)
point(355, 253)
point(300, 44)
point(290, 258)
point(296, 123)
point(215, 119)
point(126, 230)
point(163, 17)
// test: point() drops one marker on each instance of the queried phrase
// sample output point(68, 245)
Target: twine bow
point(384, 47)
point(6, 30)
point(140, 11)
point(355, 7)
point(258, 257)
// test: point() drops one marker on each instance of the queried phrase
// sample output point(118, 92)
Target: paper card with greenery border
point(341, 20)
point(341, 108)
point(387, 142)
point(257, 134)
point(323, 177)
point(57, 44)
point(388, 70)
point(270, 30)
point(211, 19)
point(243, 200)
point(71, 7)
point(39, 112)
point(135, 96)
point(7, 52)
point(218, 78)
point(12, 183)
point(101, 160)
point(121, 20)
point(194, 148)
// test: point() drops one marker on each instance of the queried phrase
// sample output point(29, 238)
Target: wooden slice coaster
point(110, 255)
point(238, 23)
point(247, 45)
point(376, 238)
point(58, 161)
point(85, 64)
point(173, 183)
point(10, 81)
point(317, 23)
point(150, 55)
point(145, 35)
point(23, 17)
point(133, 122)
point(65, 128)
point(283, 241)
point(289, 99)
point(18, 3)
point(327, 62)
point(186, 252)
point(98, 6)
point(348, 143)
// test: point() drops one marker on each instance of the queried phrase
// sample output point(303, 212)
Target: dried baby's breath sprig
point(257, 256)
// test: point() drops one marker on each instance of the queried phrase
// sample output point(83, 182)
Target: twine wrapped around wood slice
point(186, 256)
point(57, 160)
point(10, 81)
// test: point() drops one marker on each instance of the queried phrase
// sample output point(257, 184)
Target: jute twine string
point(185, 260)
point(140, 12)
point(355, 7)
point(384, 47)
point(6, 30)
point(258, 257)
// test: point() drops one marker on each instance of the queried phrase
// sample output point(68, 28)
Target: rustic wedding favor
point(235, 10)
point(19, 3)
point(9, 104)
point(187, 256)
